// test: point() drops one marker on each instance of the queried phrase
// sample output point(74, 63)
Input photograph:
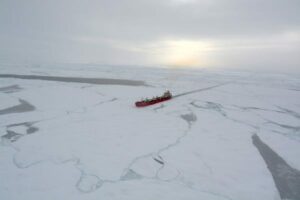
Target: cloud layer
point(249, 34)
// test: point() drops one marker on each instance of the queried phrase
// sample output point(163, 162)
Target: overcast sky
point(244, 34)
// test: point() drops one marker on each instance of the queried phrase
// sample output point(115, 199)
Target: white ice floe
point(64, 140)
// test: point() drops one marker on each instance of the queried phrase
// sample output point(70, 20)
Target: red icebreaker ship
point(147, 102)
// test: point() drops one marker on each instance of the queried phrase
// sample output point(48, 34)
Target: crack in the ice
point(80, 186)
point(250, 108)
point(135, 160)
point(83, 184)
point(292, 129)
point(292, 132)
point(210, 106)
point(189, 118)
point(25, 166)
point(13, 136)
point(201, 89)
point(88, 183)
point(85, 109)
point(11, 89)
point(24, 106)
point(221, 110)
point(98, 81)
point(290, 112)
point(287, 135)
point(286, 178)
point(256, 127)
point(106, 101)
point(131, 175)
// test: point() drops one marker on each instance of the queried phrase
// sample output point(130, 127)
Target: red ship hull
point(151, 102)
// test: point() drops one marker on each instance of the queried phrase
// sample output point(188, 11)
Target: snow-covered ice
point(225, 135)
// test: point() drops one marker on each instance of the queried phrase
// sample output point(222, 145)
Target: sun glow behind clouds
point(186, 53)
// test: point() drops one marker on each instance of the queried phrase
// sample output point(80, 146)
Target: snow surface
point(64, 140)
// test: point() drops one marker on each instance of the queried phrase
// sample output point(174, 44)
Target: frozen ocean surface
point(73, 132)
